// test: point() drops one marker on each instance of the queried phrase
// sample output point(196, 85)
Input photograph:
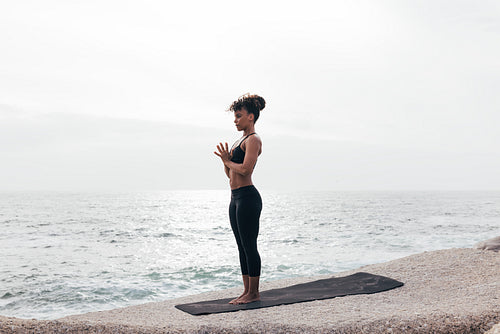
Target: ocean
point(65, 253)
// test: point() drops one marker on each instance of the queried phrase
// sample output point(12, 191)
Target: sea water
point(70, 253)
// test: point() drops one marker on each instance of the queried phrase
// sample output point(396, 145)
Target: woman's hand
point(223, 153)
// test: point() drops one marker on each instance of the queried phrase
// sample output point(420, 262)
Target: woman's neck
point(248, 131)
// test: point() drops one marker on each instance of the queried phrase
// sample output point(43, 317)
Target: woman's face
point(242, 119)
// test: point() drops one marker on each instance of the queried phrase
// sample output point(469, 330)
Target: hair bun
point(259, 101)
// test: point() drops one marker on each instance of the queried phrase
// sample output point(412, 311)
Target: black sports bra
point(238, 155)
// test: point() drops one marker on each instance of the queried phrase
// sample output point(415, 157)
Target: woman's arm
point(252, 150)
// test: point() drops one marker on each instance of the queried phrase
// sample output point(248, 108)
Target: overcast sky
point(361, 95)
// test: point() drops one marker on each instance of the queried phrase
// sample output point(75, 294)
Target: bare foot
point(248, 298)
point(235, 300)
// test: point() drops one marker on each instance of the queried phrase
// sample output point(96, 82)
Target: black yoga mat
point(358, 283)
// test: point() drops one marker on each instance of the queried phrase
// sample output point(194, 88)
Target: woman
point(246, 203)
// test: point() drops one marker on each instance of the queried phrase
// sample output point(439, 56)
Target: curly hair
point(253, 104)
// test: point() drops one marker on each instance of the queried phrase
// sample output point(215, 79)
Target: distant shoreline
point(452, 290)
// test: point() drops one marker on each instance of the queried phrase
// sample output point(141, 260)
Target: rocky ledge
point(445, 291)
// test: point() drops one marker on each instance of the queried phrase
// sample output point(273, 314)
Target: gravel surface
point(494, 330)
point(446, 291)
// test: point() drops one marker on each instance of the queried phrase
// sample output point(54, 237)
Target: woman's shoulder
point(254, 138)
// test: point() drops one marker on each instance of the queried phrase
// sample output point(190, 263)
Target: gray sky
point(361, 95)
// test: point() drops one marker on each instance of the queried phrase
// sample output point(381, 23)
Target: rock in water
point(490, 244)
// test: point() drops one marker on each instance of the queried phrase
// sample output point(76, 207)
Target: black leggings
point(244, 214)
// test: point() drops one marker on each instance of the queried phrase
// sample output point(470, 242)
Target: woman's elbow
point(245, 171)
